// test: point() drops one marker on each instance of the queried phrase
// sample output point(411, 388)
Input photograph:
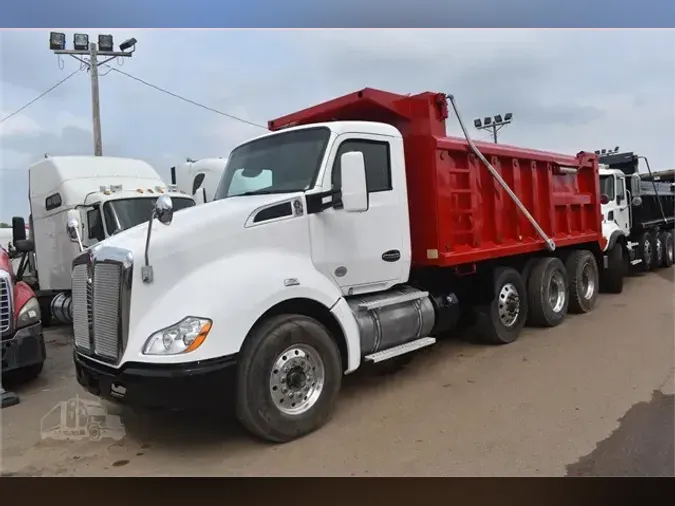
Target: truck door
point(365, 251)
point(622, 217)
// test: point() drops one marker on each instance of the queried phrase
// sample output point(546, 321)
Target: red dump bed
point(459, 214)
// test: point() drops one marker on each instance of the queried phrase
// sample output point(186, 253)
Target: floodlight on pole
point(493, 123)
point(82, 49)
point(105, 43)
point(57, 41)
point(129, 43)
point(81, 42)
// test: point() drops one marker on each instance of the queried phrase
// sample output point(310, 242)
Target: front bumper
point(25, 348)
point(191, 385)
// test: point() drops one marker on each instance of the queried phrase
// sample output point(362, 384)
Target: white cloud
point(18, 125)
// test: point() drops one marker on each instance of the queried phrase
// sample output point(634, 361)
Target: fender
point(263, 279)
point(616, 235)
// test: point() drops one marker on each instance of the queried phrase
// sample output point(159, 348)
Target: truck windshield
point(607, 186)
point(126, 213)
point(282, 163)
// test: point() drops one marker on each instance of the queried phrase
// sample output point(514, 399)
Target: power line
point(186, 99)
point(39, 96)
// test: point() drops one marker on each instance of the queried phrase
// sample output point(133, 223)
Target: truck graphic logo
point(78, 418)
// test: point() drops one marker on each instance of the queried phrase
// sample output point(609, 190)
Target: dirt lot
point(593, 396)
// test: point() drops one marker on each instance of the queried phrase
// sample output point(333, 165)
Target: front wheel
point(288, 378)
point(613, 274)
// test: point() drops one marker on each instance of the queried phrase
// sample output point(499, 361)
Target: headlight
point(29, 314)
point(183, 337)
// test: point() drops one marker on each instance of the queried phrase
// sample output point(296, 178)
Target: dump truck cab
point(355, 232)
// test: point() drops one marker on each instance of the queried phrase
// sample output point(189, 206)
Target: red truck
point(23, 346)
point(356, 231)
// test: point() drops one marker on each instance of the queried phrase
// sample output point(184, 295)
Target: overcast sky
point(568, 90)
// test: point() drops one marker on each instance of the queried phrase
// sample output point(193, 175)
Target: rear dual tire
point(502, 320)
point(666, 239)
point(584, 281)
point(548, 293)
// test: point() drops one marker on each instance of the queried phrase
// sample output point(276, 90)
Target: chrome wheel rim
point(297, 379)
point(647, 257)
point(556, 292)
point(588, 281)
point(669, 251)
point(659, 250)
point(508, 305)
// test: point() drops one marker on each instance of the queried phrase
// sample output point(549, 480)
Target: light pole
point(494, 123)
point(83, 48)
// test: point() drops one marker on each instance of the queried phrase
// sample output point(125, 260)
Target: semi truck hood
point(201, 233)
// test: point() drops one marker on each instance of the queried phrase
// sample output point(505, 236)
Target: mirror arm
point(146, 270)
point(316, 203)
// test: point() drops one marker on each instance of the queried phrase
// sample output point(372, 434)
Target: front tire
point(501, 321)
point(584, 278)
point(288, 379)
point(547, 293)
point(612, 276)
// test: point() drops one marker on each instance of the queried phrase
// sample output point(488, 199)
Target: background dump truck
point(365, 233)
point(638, 215)
point(106, 194)
point(79, 418)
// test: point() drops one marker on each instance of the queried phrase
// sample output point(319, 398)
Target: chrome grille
point(5, 303)
point(106, 309)
point(101, 291)
point(81, 307)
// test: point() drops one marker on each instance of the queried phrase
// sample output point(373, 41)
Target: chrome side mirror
point(164, 209)
point(73, 231)
point(637, 201)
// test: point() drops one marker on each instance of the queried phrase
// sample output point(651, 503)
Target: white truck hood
point(195, 229)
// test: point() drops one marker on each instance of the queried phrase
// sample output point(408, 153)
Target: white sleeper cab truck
point(105, 194)
point(349, 242)
point(199, 178)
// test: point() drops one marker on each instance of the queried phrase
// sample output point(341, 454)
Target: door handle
point(393, 255)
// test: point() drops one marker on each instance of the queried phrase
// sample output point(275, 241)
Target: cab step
point(636, 261)
point(401, 349)
point(390, 301)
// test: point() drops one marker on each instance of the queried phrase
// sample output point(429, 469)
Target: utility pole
point(494, 123)
point(82, 48)
point(95, 103)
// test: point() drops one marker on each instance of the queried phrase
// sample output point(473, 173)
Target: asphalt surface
point(592, 397)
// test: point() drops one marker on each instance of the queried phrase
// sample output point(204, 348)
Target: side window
point(199, 179)
point(377, 159)
point(95, 224)
point(620, 187)
point(53, 201)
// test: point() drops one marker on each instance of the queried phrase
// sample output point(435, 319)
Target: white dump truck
point(106, 194)
point(199, 178)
